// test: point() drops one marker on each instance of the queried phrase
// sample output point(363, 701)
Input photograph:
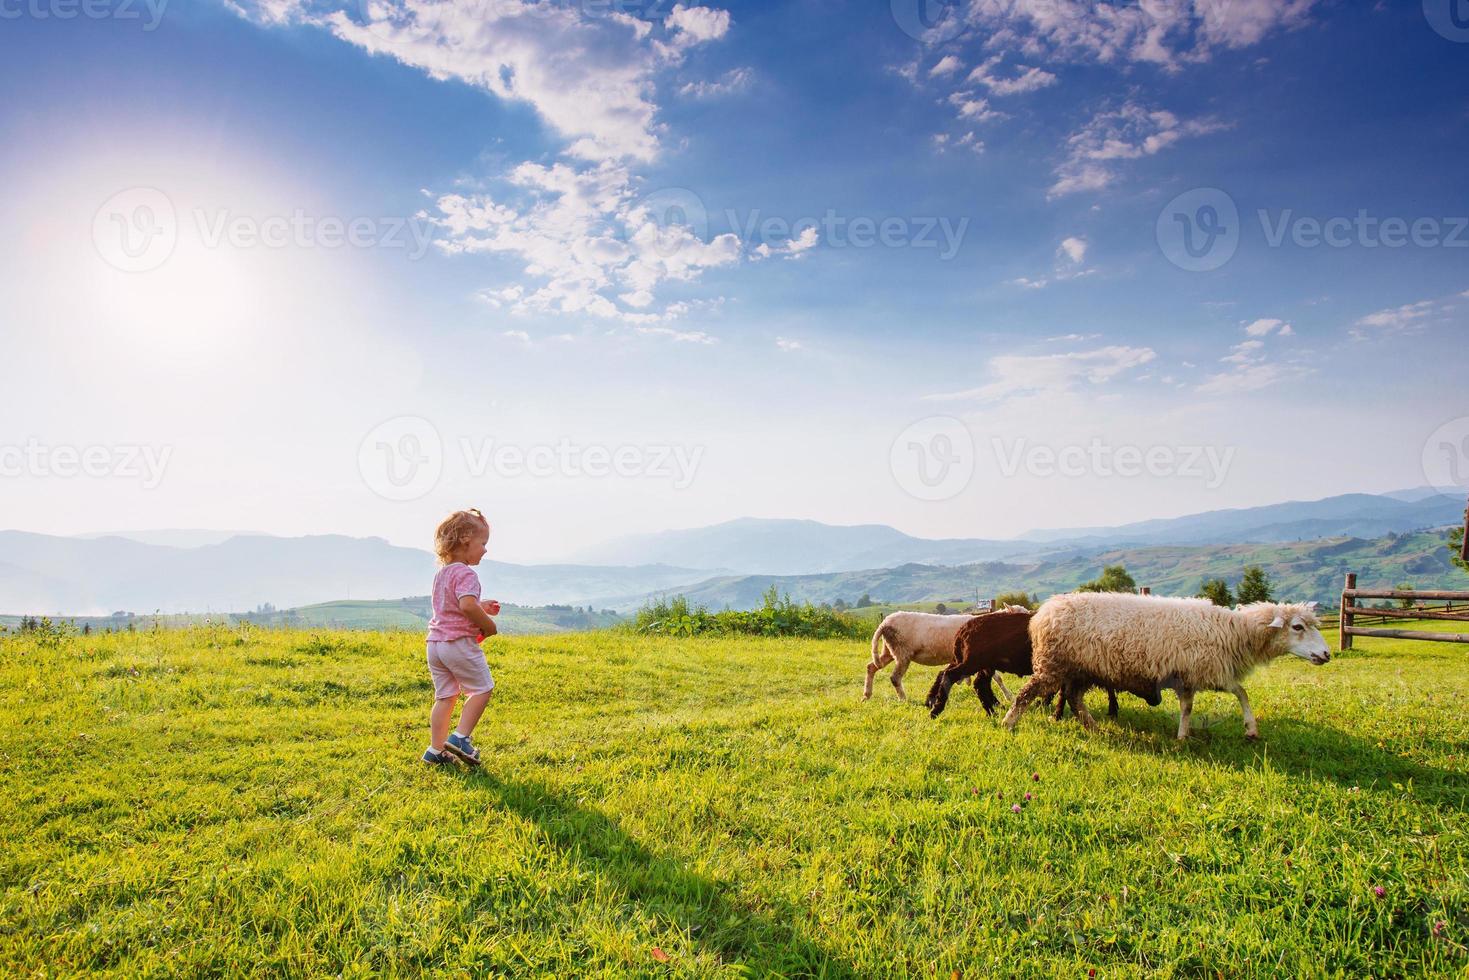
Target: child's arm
point(470, 607)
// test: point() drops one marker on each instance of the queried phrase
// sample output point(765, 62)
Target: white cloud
point(785, 343)
point(1074, 249)
point(974, 108)
point(589, 77)
point(1126, 133)
point(1163, 33)
point(519, 336)
point(1402, 319)
point(1025, 80)
point(1051, 374)
point(695, 25)
point(947, 65)
point(682, 336)
point(732, 81)
point(1250, 367)
point(1264, 327)
point(967, 140)
point(582, 232)
point(794, 248)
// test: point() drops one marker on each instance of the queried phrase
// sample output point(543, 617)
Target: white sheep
point(915, 638)
point(1129, 641)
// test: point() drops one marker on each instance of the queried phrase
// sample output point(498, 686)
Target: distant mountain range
point(44, 574)
point(790, 547)
point(1356, 514)
point(1300, 571)
point(729, 563)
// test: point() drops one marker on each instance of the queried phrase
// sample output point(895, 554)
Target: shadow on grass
point(1296, 747)
point(717, 919)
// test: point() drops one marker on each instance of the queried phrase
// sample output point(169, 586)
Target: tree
point(1015, 599)
point(840, 605)
point(1114, 578)
point(865, 601)
point(1216, 590)
point(1255, 586)
point(1456, 546)
point(1404, 603)
point(941, 609)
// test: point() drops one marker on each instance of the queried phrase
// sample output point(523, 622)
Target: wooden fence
point(1351, 612)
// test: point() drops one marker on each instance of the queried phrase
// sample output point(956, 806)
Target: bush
point(1016, 599)
point(777, 616)
point(1114, 578)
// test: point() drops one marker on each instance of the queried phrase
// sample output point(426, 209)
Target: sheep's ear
point(1277, 623)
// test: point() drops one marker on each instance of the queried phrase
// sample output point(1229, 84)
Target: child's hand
point(491, 607)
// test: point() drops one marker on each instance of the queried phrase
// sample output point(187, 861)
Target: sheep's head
point(1291, 627)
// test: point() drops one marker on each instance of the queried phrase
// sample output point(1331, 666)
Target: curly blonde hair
point(456, 529)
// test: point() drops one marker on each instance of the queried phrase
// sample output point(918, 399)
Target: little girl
point(455, 660)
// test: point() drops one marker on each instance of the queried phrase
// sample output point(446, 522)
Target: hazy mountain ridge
point(729, 563)
point(1300, 570)
point(795, 547)
point(43, 574)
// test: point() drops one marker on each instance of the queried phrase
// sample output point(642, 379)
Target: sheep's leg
point(1060, 711)
point(938, 695)
point(897, 678)
point(1251, 731)
point(1036, 687)
point(985, 692)
point(1185, 710)
point(878, 663)
point(1000, 681)
point(1111, 703)
point(1075, 695)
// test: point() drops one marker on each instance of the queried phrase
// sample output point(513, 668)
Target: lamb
point(1001, 642)
point(913, 638)
point(983, 647)
point(1134, 642)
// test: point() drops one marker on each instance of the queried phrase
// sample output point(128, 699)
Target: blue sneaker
point(461, 746)
point(437, 758)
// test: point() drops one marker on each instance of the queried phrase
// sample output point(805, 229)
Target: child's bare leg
point(474, 706)
point(439, 720)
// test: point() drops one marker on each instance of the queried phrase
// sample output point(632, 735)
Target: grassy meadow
point(239, 801)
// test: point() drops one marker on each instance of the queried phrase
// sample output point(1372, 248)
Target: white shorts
point(458, 666)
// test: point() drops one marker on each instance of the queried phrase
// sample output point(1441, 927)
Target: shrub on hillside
point(776, 616)
point(1114, 578)
point(1016, 599)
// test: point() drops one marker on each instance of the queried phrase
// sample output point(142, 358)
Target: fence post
point(1345, 642)
point(1146, 590)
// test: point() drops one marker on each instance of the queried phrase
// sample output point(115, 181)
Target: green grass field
point(234, 802)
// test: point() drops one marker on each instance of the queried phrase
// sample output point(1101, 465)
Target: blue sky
point(589, 227)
